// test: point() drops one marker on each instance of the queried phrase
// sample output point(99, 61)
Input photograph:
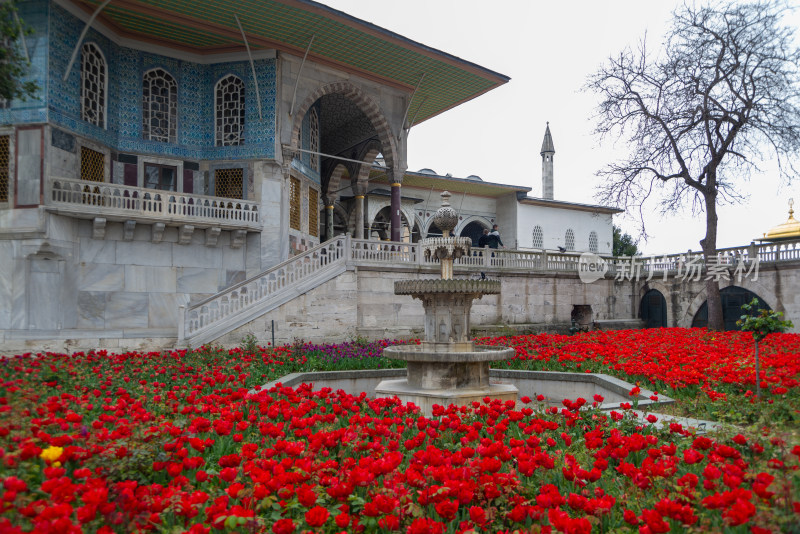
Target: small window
point(538, 237)
point(159, 106)
point(294, 203)
point(93, 85)
point(5, 144)
point(160, 177)
point(569, 240)
point(229, 183)
point(313, 126)
point(229, 111)
point(313, 212)
point(92, 165)
point(592, 241)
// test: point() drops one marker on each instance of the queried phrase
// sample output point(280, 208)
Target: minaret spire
point(547, 153)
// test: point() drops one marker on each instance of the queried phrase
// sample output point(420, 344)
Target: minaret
point(547, 164)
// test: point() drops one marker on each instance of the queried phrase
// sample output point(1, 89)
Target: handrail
point(256, 291)
point(101, 198)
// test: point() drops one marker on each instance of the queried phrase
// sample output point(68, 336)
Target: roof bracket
point(252, 66)
point(408, 108)
point(299, 72)
point(89, 22)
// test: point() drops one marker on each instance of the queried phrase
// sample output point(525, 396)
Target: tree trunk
point(709, 244)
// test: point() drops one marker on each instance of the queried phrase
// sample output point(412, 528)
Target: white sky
point(548, 49)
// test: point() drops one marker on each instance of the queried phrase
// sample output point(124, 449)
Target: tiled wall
point(33, 110)
point(126, 67)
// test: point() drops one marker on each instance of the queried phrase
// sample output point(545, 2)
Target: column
point(359, 217)
point(396, 221)
point(328, 221)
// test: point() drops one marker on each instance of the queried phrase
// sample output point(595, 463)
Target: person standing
point(494, 238)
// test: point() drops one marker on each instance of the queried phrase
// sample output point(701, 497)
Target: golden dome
point(788, 230)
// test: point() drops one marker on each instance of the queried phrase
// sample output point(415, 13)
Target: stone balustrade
point(83, 199)
point(242, 302)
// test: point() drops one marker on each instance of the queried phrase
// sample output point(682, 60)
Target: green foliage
point(249, 344)
point(13, 64)
point(763, 322)
point(624, 244)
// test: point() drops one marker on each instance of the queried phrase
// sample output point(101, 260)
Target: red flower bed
point(674, 358)
point(174, 442)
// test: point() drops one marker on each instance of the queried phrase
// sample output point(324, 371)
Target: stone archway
point(732, 299)
point(653, 309)
point(364, 103)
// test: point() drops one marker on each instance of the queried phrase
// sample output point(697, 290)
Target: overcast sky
point(548, 49)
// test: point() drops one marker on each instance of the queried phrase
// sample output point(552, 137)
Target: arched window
point(94, 82)
point(229, 111)
point(159, 106)
point(592, 241)
point(538, 237)
point(313, 126)
point(569, 240)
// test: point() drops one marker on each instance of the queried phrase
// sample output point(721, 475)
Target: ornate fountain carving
point(446, 368)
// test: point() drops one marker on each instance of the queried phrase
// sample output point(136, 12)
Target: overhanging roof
point(340, 40)
point(450, 183)
point(532, 201)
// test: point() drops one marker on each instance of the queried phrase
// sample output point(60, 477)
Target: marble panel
point(91, 309)
point(126, 310)
point(198, 280)
point(29, 166)
point(146, 279)
point(84, 228)
point(101, 277)
point(233, 259)
point(197, 255)
point(7, 266)
point(96, 251)
point(144, 253)
point(234, 277)
point(163, 310)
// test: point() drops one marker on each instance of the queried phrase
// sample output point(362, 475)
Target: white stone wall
point(556, 220)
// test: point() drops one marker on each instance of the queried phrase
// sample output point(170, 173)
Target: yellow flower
point(51, 454)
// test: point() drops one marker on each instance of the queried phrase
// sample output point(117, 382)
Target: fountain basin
point(436, 366)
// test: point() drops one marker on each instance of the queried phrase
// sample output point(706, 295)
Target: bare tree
point(723, 91)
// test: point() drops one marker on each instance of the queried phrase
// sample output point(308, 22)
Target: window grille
point(5, 144)
point(592, 241)
point(92, 165)
point(93, 85)
point(313, 212)
point(294, 203)
point(229, 183)
point(569, 240)
point(229, 110)
point(313, 126)
point(538, 237)
point(159, 106)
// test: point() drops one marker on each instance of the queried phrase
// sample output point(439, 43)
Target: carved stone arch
point(363, 102)
point(332, 192)
point(665, 291)
point(760, 290)
point(376, 207)
point(368, 155)
point(471, 219)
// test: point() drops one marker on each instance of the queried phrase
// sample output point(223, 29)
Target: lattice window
point(159, 106)
point(229, 183)
point(294, 203)
point(313, 212)
point(229, 111)
point(93, 165)
point(592, 241)
point(538, 237)
point(93, 85)
point(5, 145)
point(313, 126)
point(569, 240)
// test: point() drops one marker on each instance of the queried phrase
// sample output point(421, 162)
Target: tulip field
point(189, 441)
